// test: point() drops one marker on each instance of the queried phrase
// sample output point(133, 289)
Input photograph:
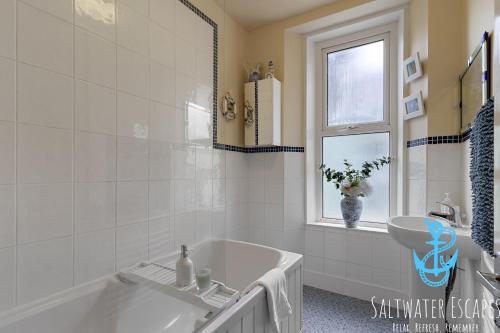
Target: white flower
point(345, 184)
point(365, 188)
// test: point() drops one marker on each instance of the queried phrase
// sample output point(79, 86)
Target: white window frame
point(388, 34)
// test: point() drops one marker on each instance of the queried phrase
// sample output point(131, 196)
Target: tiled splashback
point(106, 152)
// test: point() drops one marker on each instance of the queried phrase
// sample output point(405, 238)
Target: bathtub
point(113, 305)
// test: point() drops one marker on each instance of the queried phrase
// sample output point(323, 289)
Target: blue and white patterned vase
point(351, 207)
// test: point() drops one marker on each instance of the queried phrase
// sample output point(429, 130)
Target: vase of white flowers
point(353, 184)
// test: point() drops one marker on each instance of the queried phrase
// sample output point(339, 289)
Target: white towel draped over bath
point(274, 281)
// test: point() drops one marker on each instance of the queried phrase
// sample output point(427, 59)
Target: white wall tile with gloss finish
point(93, 148)
point(7, 216)
point(8, 28)
point(44, 40)
point(7, 87)
point(95, 59)
point(44, 98)
point(367, 257)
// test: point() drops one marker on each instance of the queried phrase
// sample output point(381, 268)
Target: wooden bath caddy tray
point(163, 279)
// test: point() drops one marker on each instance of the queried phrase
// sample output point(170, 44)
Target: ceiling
point(252, 14)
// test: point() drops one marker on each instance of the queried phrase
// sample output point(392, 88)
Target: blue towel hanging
point(482, 178)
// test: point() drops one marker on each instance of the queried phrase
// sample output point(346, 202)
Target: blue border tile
point(437, 140)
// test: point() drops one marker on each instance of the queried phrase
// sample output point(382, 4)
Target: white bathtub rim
point(27, 310)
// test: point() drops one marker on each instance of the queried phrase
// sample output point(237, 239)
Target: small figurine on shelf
point(253, 73)
point(270, 69)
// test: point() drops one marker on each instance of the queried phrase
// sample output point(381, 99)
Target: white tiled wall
point(276, 200)
point(105, 150)
point(434, 170)
point(371, 258)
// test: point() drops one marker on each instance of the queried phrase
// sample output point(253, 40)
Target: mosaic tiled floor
point(326, 312)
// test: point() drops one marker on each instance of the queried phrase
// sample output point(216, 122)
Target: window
point(357, 121)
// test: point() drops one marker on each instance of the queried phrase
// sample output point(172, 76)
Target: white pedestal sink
point(412, 232)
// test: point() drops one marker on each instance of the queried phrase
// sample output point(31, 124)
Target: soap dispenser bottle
point(446, 201)
point(184, 269)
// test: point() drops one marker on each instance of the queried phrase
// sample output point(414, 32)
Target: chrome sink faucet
point(452, 216)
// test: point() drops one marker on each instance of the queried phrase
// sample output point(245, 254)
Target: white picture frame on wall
point(412, 68)
point(413, 106)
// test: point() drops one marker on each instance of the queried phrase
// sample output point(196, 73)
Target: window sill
point(380, 230)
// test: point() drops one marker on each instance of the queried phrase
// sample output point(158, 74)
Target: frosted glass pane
point(358, 149)
point(356, 85)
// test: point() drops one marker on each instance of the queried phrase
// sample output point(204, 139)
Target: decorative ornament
point(270, 69)
point(253, 73)
point(249, 114)
point(228, 107)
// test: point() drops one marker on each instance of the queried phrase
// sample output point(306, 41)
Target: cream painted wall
point(276, 42)
point(233, 43)
point(446, 56)
point(417, 42)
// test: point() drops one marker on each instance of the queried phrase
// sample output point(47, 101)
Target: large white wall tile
point(44, 97)
point(44, 211)
point(162, 120)
point(386, 253)
point(274, 217)
point(335, 268)
point(132, 202)
point(7, 153)
point(360, 273)
point(7, 86)
point(95, 206)
point(294, 165)
point(294, 216)
point(445, 162)
point(49, 149)
point(98, 17)
point(295, 240)
point(7, 215)
point(335, 245)
point(44, 40)
point(95, 108)
point(185, 229)
point(204, 163)
point(94, 255)
point(186, 22)
point(314, 242)
point(359, 247)
point(417, 203)
point(184, 162)
point(185, 88)
point(160, 199)
point(131, 245)
point(417, 162)
point(8, 28)
point(185, 196)
point(95, 157)
point(60, 8)
point(219, 193)
point(161, 43)
point(185, 57)
point(163, 13)
point(203, 194)
point(132, 116)
point(274, 191)
point(313, 263)
point(44, 268)
point(132, 159)
point(7, 278)
point(140, 6)
point(275, 166)
point(160, 160)
point(132, 29)
point(162, 84)
point(160, 237)
point(95, 59)
point(133, 73)
point(386, 278)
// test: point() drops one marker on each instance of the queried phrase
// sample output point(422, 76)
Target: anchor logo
point(441, 266)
